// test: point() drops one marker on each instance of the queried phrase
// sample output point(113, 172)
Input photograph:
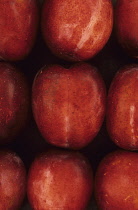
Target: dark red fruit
point(69, 104)
point(60, 180)
point(14, 102)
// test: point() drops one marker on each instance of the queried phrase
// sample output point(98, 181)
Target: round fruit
point(122, 108)
point(126, 25)
point(61, 180)
point(12, 180)
point(14, 102)
point(69, 104)
point(18, 27)
point(76, 30)
point(116, 182)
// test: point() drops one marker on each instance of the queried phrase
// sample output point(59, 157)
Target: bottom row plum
point(63, 179)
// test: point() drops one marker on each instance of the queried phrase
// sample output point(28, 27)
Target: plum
point(122, 108)
point(60, 180)
point(69, 104)
point(18, 28)
point(76, 30)
point(12, 180)
point(116, 181)
point(126, 25)
point(14, 102)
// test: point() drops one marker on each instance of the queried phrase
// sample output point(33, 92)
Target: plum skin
point(122, 106)
point(61, 179)
point(14, 102)
point(13, 180)
point(69, 104)
point(18, 28)
point(76, 30)
point(126, 27)
point(116, 181)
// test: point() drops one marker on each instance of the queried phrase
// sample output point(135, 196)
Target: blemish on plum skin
point(107, 202)
point(116, 162)
point(129, 164)
point(127, 197)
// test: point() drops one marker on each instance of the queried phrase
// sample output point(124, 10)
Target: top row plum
point(74, 30)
